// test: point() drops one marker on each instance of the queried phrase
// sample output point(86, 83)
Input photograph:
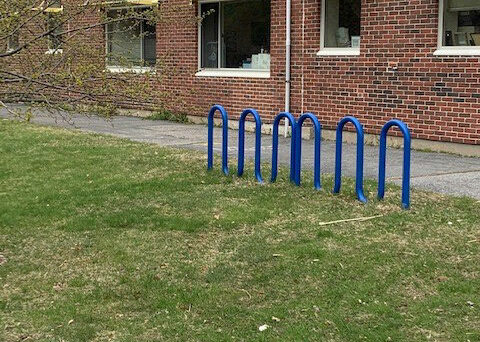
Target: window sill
point(458, 51)
point(133, 70)
point(339, 52)
point(248, 73)
point(54, 52)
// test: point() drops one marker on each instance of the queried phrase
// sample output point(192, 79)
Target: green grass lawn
point(103, 239)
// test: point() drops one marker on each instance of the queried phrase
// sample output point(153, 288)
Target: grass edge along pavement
point(107, 239)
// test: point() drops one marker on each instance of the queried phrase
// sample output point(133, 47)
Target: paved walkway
point(438, 172)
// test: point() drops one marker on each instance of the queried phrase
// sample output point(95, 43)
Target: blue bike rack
point(406, 161)
point(223, 112)
point(276, 123)
point(338, 157)
point(298, 149)
point(258, 143)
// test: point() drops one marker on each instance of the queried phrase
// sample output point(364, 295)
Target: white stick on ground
point(350, 220)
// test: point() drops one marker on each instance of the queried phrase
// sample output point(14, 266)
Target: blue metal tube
point(338, 157)
point(407, 141)
point(223, 112)
point(298, 149)
point(276, 123)
point(258, 143)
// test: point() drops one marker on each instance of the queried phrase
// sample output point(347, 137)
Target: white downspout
point(287, 60)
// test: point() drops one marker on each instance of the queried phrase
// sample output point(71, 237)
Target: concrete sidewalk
point(437, 172)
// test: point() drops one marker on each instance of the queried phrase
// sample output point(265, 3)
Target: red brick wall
point(439, 97)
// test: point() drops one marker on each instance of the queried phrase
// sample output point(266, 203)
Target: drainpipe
point(287, 60)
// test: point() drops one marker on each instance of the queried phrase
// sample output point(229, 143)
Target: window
point(13, 42)
point(340, 33)
point(235, 35)
point(55, 25)
point(131, 39)
point(459, 31)
point(53, 10)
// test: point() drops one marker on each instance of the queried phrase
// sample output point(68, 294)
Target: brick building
point(418, 61)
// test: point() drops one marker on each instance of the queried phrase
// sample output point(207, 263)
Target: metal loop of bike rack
point(406, 161)
point(298, 149)
point(338, 157)
point(276, 123)
point(223, 112)
point(241, 143)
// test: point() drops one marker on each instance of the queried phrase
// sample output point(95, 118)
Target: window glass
point(54, 23)
point(130, 41)
point(461, 23)
point(149, 44)
point(13, 42)
point(210, 13)
point(123, 40)
point(245, 34)
point(342, 23)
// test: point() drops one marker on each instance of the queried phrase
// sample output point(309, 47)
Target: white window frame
point(122, 69)
point(451, 50)
point(54, 51)
point(333, 51)
point(222, 72)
